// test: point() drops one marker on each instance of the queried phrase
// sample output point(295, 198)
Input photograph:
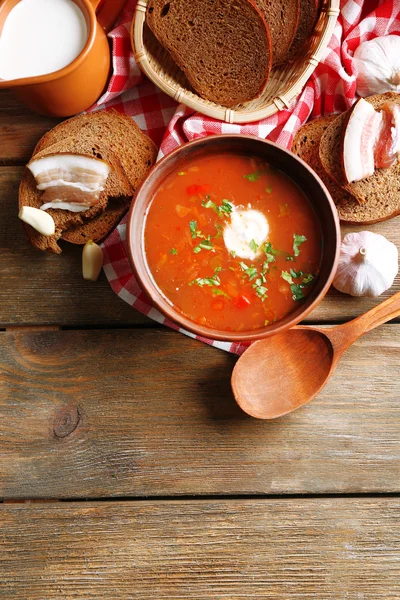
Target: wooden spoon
point(278, 374)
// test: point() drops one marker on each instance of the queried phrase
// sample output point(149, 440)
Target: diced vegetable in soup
point(232, 243)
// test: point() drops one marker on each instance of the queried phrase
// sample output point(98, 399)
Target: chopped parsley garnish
point(258, 284)
point(218, 292)
point(233, 254)
point(269, 252)
point(206, 281)
point(297, 293)
point(193, 228)
point(297, 288)
point(265, 268)
point(296, 274)
point(268, 190)
point(251, 272)
point(174, 251)
point(287, 277)
point(208, 203)
point(204, 245)
point(308, 279)
point(261, 291)
point(225, 208)
point(253, 176)
point(259, 288)
point(297, 241)
point(253, 246)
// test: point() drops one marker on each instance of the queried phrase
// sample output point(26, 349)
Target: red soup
point(232, 243)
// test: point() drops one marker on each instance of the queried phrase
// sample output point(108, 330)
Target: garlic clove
point(38, 219)
point(368, 264)
point(92, 261)
point(377, 62)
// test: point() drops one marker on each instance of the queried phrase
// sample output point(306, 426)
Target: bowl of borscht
point(233, 238)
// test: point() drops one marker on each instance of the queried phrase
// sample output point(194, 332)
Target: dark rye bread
point(383, 187)
point(222, 46)
point(282, 17)
point(97, 228)
point(309, 12)
point(306, 146)
point(110, 129)
point(108, 135)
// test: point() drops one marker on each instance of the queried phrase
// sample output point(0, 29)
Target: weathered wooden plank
point(20, 129)
point(333, 549)
point(40, 288)
point(50, 288)
point(138, 413)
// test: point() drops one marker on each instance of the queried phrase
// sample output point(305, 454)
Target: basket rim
point(229, 115)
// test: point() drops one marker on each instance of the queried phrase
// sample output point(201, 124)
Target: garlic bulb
point(368, 264)
point(377, 63)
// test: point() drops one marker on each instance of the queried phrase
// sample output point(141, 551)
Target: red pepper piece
point(194, 190)
point(242, 302)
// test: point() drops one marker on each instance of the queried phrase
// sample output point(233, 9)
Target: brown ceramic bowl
point(284, 160)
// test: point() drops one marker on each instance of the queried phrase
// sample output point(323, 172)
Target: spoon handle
point(345, 335)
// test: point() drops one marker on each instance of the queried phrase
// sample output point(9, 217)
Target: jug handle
point(108, 13)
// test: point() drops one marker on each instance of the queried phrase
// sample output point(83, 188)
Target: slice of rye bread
point(309, 12)
point(117, 186)
point(97, 228)
point(282, 17)
point(102, 134)
point(111, 130)
point(383, 186)
point(306, 146)
point(222, 46)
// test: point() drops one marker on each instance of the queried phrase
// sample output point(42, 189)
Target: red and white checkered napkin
point(330, 89)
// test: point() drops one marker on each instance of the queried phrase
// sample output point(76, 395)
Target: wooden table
point(127, 470)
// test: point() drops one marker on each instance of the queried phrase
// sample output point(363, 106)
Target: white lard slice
point(69, 181)
point(360, 137)
point(75, 170)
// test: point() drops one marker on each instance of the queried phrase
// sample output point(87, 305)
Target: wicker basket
point(284, 84)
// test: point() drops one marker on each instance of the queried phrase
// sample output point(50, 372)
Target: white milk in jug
point(40, 37)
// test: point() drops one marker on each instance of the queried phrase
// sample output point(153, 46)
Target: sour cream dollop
point(245, 226)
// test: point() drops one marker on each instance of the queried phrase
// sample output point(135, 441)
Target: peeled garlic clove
point(368, 264)
point(38, 219)
point(92, 261)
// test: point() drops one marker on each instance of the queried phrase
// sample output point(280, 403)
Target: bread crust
point(309, 13)
point(381, 188)
point(92, 135)
point(306, 145)
point(283, 18)
point(202, 36)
